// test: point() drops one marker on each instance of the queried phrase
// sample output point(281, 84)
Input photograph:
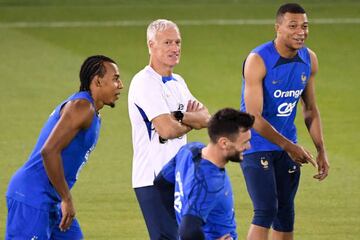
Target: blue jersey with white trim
point(203, 190)
point(284, 82)
point(30, 184)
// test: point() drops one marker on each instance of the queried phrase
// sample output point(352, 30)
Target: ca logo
point(285, 109)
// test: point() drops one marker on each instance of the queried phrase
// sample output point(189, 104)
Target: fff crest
point(303, 78)
point(264, 163)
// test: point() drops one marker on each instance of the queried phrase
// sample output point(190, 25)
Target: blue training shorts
point(27, 222)
point(272, 179)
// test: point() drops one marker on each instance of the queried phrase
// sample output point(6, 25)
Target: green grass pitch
point(39, 66)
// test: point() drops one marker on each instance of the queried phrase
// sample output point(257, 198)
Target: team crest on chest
point(303, 78)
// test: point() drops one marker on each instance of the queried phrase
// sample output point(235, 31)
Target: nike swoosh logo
point(291, 171)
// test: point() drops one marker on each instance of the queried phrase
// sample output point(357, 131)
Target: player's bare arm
point(75, 115)
point(168, 127)
point(197, 115)
point(313, 121)
point(254, 73)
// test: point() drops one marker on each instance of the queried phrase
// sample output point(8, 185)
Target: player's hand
point(68, 214)
point(197, 115)
point(323, 166)
point(226, 237)
point(299, 154)
point(193, 106)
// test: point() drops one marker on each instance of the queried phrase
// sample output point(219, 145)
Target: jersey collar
point(167, 78)
point(164, 79)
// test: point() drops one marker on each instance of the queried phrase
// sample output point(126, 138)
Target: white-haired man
point(162, 110)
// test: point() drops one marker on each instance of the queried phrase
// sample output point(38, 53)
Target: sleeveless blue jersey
point(284, 82)
point(30, 184)
point(203, 190)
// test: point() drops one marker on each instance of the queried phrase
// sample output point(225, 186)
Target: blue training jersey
point(284, 82)
point(30, 184)
point(203, 190)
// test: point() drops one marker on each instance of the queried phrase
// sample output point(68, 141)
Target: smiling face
point(111, 84)
point(236, 147)
point(165, 50)
point(291, 31)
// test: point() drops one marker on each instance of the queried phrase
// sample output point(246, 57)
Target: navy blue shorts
point(27, 222)
point(160, 224)
point(272, 179)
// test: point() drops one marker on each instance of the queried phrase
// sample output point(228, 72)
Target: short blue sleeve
point(168, 171)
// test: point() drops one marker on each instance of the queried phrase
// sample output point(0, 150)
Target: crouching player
point(195, 182)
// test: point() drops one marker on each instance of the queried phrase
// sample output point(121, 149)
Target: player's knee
point(284, 221)
point(264, 217)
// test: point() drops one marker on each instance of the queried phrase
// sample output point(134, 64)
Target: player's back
point(202, 189)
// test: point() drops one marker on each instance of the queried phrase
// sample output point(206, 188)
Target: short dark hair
point(92, 66)
point(227, 122)
point(289, 8)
